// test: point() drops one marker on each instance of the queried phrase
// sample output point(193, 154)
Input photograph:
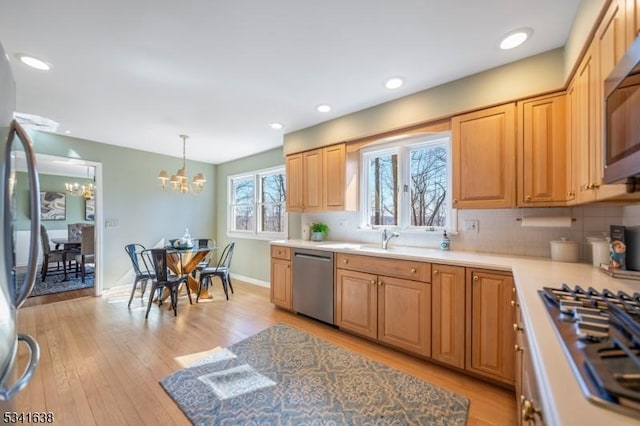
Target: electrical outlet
point(342, 223)
point(471, 225)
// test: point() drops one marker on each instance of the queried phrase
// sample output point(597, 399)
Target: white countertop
point(563, 401)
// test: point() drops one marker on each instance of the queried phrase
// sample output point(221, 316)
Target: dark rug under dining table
point(55, 282)
point(285, 376)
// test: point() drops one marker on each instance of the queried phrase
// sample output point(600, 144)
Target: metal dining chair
point(164, 280)
point(220, 270)
point(143, 272)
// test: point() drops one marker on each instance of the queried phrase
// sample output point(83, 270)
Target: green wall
point(251, 257)
point(131, 195)
point(74, 205)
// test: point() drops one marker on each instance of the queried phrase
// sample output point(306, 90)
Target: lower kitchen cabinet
point(448, 314)
point(490, 318)
point(527, 392)
point(357, 302)
point(281, 277)
point(393, 310)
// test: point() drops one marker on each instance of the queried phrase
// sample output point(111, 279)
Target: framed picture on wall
point(90, 209)
point(53, 206)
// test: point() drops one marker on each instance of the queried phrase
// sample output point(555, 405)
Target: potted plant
point(319, 231)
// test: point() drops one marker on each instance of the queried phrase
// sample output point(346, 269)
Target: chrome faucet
point(386, 237)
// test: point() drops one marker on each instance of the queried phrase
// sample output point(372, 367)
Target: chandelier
point(86, 191)
point(180, 182)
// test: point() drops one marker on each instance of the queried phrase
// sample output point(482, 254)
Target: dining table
point(67, 244)
point(185, 262)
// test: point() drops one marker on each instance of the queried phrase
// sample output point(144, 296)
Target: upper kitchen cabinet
point(587, 123)
point(484, 158)
point(294, 183)
point(542, 151)
point(323, 179)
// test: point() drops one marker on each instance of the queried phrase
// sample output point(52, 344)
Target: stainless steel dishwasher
point(312, 284)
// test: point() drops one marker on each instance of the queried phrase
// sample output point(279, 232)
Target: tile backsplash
point(499, 230)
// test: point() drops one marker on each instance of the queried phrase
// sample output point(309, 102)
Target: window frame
point(257, 204)
point(403, 149)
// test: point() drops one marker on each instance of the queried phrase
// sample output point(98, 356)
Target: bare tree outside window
point(257, 202)
point(408, 183)
point(383, 190)
point(243, 203)
point(428, 186)
point(273, 197)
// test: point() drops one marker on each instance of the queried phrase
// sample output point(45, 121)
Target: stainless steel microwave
point(622, 120)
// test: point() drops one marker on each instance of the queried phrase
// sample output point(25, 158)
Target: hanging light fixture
point(180, 182)
point(86, 191)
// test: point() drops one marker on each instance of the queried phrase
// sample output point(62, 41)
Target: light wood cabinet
point(484, 158)
point(527, 391)
point(542, 151)
point(391, 309)
point(490, 315)
point(294, 183)
point(312, 173)
point(572, 143)
point(448, 314)
point(281, 277)
point(323, 179)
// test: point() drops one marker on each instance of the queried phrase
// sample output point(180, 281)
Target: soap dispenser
point(445, 242)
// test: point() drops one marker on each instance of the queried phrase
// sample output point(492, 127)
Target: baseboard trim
point(250, 280)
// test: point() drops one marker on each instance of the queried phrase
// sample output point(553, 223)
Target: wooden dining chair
point(141, 267)
point(221, 270)
point(164, 280)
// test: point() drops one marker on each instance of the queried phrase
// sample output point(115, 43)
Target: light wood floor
point(101, 362)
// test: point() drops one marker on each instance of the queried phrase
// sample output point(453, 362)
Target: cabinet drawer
point(280, 252)
point(409, 269)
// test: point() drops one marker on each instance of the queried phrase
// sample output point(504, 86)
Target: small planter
point(319, 231)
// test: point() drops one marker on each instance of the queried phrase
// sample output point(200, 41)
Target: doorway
point(55, 172)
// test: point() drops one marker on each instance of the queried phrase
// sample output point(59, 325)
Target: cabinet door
point(610, 45)
point(542, 144)
point(448, 314)
point(312, 180)
point(357, 302)
point(586, 133)
point(490, 337)
point(484, 158)
point(334, 163)
point(572, 143)
point(404, 314)
point(294, 183)
point(281, 283)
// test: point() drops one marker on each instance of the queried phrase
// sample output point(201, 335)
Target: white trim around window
point(256, 204)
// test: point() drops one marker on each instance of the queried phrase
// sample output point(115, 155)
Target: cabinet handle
point(436, 272)
point(413, 270)
point(380, 283)
point(571, 194)
point(373, 281)
point(529, 411)
point(476, 278)
point(595, 185)
point(455, 201)
point(516, 327)
point(514, 303)
point(345, 261)
point(518, 348)
point(527, 198)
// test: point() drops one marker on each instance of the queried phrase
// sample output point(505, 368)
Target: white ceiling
point(139, 73)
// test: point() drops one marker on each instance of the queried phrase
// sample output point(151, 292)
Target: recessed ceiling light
point(515, 38)
point(36, 63)
point(277, 126)
point(323, 108)
point(394, 83)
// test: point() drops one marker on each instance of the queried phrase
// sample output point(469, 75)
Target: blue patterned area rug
point(284, 376)
point(55, 283)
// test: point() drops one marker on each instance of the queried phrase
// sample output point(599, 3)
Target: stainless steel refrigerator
point(15, 373)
